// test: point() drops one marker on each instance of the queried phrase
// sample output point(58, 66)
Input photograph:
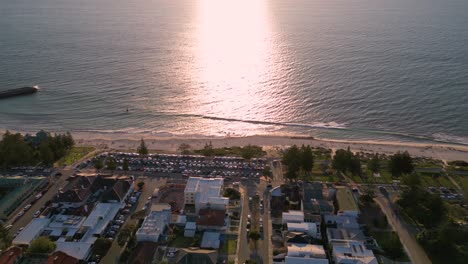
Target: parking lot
point(230, 168)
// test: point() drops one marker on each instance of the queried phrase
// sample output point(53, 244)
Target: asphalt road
point(56, 184)
point(407, 237)
point(243, 251)
point(265, 247)
point(24, 220)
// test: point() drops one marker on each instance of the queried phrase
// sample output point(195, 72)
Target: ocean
point(393, 70)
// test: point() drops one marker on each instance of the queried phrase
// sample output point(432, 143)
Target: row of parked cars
point(185, 164)
point(28, 171)
point(446, 193)
point(119, 220)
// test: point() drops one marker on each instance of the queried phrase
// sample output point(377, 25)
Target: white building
point(100, 217)
point(63, 227)
point(210, 240)
point(312, 229)
point(299, 260)
point(293, 217)
point(31, 231)
point(306, 250)
point(205, 192)
point(342, 221)
point(155, 223)
point(345, 252)
point(306, 253)
point(190, 229)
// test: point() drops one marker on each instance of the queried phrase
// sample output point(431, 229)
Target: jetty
point(18, 91)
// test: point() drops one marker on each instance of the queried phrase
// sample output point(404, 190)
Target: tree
point(248, 152)
point(292, 159)
point(355, 166)
point(111, 164)
point(140, 185)
point(367, 197)
point(41, 245)
point(101, 246)
point(392, 246)
point(14, 151)
point(124, 234)
point(307, 159)
point(139, 214)
point(340, 161)
point(374, 164)
point(401, 163)
point(46, 154)
point(184, 149)
point(97, 163)
point(125, 165)
point(412, 180)
point(142, 149)
point(254, 235)
point(208, 150)
point(5, 238)
point(267, 171)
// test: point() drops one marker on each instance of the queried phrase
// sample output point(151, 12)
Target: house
point(31, 231)
point(199, 256)
point(293, 217)
point(11, 255)
point(204, 193)
point(100, 217)
point(306, 253)
point(76, 195)
point(345, 252)
point(190, 229)
point(155, 223)
point(210, 240)
point(341, 221)
point(344, 234)
point(59, 257)
point(118, 192)
point(211, 219)
point(312, 229)
point(78, 250)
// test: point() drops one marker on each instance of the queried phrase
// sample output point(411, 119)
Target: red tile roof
point(10, 255)
point(211, 217)
point(60, 257)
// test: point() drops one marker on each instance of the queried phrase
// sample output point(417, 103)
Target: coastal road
point(265, 248)
point(55, 183)
point(58, 183)
point(407, 237)
point(243, 251)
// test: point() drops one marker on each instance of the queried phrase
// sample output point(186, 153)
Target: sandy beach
point(124, 141)
point(169, 144)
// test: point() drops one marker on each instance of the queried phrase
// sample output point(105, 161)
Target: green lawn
point(427, 181)
point(74, 155)
point(181, 242)
point(229, 247)
point(390, 243)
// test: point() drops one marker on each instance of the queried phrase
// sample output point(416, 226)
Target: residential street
point(243, 249)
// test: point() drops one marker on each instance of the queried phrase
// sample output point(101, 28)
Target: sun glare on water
point(233, 57)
